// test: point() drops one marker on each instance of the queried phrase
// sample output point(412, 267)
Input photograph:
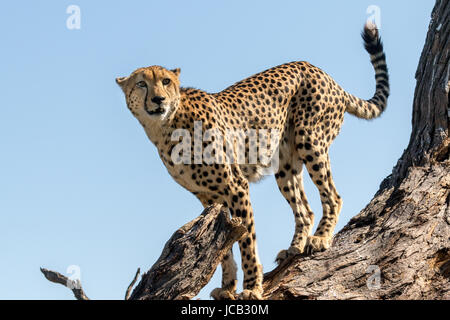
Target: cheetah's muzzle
point(157, 111)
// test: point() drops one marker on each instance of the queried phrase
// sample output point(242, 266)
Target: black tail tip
point(371, 37)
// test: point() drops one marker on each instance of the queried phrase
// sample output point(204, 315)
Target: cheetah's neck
point(159, 132)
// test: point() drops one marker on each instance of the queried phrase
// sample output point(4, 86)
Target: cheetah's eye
point(166, 81)
point(141, 84)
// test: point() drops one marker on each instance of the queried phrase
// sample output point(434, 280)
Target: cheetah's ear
point(176, 71)
point(121, 81)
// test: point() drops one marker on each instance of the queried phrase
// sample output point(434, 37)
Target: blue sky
point(81, 185)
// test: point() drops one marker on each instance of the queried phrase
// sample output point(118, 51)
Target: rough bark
point(402, 237)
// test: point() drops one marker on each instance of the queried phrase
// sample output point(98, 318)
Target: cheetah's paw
point(254, 294)
point(283, 255)
point(316, 244)
point(223, 294)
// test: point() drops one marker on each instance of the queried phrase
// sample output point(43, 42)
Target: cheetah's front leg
point(240, 207)
point(229, 268)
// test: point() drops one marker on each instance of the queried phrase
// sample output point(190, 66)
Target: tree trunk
point(398, 247)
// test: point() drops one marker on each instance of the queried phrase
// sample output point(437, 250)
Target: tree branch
point(187, 262)
point(190, 257)
point(128, 293)
point(73, 285)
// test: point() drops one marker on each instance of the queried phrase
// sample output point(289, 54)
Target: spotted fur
point(299, 100)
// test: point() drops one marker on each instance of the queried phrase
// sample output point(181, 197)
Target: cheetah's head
point(152, 93)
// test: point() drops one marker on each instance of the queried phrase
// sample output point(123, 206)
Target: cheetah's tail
point(369, 109)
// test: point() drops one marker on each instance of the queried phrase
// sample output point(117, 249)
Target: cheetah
point(300, 102)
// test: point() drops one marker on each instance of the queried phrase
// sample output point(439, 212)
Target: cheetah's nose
point(158, 100)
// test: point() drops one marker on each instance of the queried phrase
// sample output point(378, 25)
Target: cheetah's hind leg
point(290, 182)
point(320, 171)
